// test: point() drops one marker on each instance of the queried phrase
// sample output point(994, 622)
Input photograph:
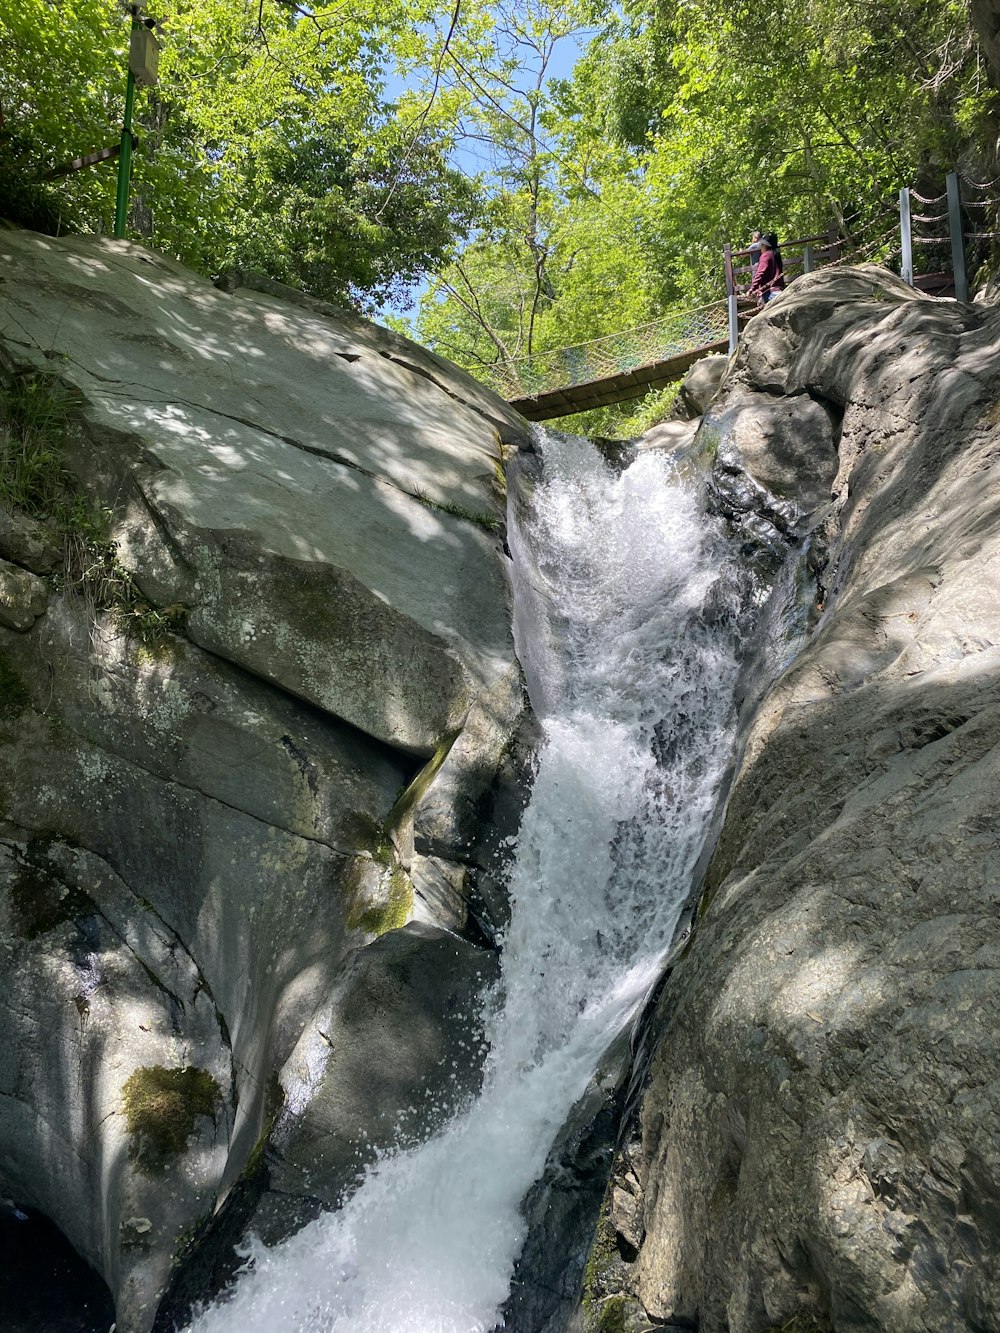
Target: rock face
point(212, 799)
point(820, 1135)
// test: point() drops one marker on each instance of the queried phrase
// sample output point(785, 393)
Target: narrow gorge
point(463, 878)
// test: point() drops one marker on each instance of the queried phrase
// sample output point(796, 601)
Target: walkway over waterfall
point(927, 249)
point(612, 369)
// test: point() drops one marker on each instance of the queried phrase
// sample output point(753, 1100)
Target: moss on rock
point(379, 917)
point(161, 1106)
point(614, 1316)
point(607, 1305)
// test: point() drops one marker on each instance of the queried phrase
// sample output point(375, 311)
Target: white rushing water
point(631, 674)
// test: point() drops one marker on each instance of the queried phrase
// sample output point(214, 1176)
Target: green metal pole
point(125, 157)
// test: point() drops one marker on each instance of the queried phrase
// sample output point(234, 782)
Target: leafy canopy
point(269, 140)
point(685, 124)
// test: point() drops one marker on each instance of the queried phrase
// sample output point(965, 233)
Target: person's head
point(771, 238)
point(755, 235)
point(764, 242)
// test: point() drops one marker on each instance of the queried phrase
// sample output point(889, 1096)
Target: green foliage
point(685, 125)
point(584, 205)
point(623, 421)
point(268, 142)
point(161, 1106)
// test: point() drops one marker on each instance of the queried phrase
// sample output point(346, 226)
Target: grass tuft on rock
point(805, 1322)
point(161, 1107)
point(35, 411)
point(488, 522)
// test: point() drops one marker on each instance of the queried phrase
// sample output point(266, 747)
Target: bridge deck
point(616, 388)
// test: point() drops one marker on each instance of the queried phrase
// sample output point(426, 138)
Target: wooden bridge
point(628, 365)
point(613, 369)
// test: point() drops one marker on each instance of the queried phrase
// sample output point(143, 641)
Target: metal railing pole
point(807, 260)
point(905, 237)
point(125, 155)
point(957, 236)
point(734, 322)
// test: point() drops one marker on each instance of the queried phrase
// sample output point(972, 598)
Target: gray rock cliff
point(214, 837)
point(819, 1140)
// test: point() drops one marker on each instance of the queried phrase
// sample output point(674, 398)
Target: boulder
point(699, 387)
point(820, 1135)
point(379, 1068)
point(25, 541)
point(279, 471)
point(164, 801)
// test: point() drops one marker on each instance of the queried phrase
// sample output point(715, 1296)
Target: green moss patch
point(380, 917)
point(161, 1107)
point(614, 1315)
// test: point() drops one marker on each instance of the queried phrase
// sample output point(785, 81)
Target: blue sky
point(472, 161)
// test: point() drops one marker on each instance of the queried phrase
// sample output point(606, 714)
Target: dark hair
point(772, 240)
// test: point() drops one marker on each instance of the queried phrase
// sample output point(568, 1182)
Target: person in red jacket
point(768, 278)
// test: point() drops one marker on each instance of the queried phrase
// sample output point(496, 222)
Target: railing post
point(734, 322)
point(807, 260)
point(833, 244)
point(905, 237)
point(957, 236)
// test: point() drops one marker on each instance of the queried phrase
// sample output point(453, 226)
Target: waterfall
point(624, 623)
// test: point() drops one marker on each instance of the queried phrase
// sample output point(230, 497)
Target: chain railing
point(617, 354)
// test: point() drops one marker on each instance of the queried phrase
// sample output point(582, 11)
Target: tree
point(269, 140)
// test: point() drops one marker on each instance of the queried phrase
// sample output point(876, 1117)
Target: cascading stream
point(625, 615)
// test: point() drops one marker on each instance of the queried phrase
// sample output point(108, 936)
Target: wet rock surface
point(820, 1135)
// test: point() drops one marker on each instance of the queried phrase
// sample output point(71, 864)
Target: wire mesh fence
point(617, 354)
